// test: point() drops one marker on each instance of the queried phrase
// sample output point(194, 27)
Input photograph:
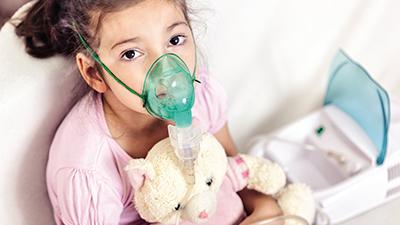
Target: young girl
point(108, 126)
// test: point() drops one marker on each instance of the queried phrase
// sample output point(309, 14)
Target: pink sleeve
point(237, 172)
point(85, 197)
point(211, 106)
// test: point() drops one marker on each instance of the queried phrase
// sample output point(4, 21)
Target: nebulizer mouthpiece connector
point(187, 147)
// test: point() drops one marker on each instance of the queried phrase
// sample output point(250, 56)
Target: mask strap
point(96, 57)
point(195, 57)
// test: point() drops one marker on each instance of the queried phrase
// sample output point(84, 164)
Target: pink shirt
point(86, 180)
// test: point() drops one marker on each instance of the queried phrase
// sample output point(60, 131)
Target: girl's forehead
point(141, 18)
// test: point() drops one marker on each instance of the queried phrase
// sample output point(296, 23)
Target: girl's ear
point(90, 74)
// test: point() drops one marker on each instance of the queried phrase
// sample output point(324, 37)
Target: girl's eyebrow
point(136, 38)
point(175, 25)
point(125, 41)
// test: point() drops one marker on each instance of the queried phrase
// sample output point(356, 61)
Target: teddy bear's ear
point(139, 170)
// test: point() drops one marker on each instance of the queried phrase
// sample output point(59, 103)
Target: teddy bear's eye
point(177, 207)
point(209, 181)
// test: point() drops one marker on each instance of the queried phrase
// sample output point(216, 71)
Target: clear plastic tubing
point(280, 220)
point(186, 142)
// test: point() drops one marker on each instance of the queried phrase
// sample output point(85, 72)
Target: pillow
point(35, 95)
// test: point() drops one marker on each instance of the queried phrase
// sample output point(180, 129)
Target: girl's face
point(132, 39)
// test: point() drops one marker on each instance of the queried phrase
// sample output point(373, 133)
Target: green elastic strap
point(195, 57)
point(96, 57)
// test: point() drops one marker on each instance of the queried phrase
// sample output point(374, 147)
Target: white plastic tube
point(281, 220)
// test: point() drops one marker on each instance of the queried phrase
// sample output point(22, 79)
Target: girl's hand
point(259, 207)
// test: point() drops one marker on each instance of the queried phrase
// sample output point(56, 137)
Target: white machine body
point(342, 190)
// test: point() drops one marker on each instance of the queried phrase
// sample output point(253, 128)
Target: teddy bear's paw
point(264, 176)
point(297, 199)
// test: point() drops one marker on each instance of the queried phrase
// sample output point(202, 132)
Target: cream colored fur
point(264, 176)
point(164, 185)
point(268, 177)
point(293, 200)
point(160, 185)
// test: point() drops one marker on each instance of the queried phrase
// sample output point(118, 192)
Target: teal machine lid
point(352, 89)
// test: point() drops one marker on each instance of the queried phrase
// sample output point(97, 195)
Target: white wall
point(273, 56)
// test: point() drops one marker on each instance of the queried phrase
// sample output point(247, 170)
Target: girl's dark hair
point(47, 27)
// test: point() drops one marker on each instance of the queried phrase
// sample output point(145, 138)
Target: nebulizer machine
point(347, 151)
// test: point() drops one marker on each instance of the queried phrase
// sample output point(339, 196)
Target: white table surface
point(387, 214)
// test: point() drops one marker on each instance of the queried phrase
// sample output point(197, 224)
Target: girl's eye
point(131, 54)
point(177, 40)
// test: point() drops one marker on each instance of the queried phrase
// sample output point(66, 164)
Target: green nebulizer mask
point(168, 94)
point(169, 91)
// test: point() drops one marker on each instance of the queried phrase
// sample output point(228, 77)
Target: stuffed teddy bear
point(160, 186)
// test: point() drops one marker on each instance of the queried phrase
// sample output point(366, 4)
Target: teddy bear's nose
point(203, 215)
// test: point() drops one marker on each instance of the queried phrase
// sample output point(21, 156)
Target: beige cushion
point(35, 95)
